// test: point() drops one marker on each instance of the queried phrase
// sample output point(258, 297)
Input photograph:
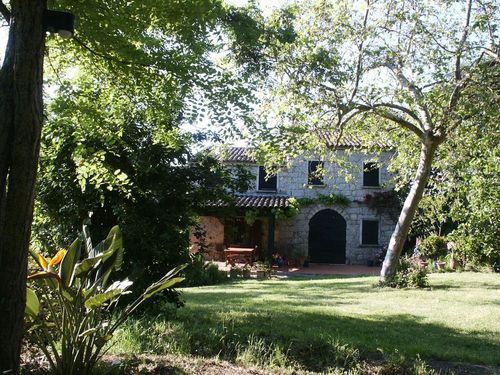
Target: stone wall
point(214, 239)
point(347, 181)
point(295, 232)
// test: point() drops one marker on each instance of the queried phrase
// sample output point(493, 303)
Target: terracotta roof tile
point(258, 201)
point(349, 140)
point(239, 155)
point(262, 201)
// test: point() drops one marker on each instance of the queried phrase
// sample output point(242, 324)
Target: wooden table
point(231, 254)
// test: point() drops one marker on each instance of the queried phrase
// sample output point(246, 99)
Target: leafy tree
point(155, 53)
point(463, 195)
point(101, 153)
point(396, 70)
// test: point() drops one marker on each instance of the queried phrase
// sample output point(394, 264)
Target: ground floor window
point(369, 232)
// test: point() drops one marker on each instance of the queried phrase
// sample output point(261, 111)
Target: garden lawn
point(304, 321)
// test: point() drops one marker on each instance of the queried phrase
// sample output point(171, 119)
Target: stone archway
point(327, 237)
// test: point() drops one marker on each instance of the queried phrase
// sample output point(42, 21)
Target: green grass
point(308, 322)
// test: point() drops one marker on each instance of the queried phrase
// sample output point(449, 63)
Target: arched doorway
point(327, 237)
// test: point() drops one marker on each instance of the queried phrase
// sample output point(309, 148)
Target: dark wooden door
point(327, 237)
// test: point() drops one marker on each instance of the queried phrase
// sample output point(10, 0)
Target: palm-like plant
point(77, 316)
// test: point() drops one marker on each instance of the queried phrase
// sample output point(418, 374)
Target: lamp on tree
point(59, 22)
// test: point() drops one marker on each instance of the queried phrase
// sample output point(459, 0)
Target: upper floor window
point(267, 183)
point(315, 173)
point(369, 232)
point(371, 175)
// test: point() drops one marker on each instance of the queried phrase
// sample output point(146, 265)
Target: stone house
point(335, 220)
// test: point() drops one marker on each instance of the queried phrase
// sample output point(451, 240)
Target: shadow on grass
point(301, 317)
point(309, 337)
point(295, 315)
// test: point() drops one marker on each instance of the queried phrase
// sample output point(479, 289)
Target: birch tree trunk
point(400, 233)
point(21, 107)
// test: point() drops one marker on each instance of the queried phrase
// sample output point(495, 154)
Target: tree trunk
point(400, 233)
point(21, 79)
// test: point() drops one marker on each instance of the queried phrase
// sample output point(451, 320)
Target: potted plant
point(440, 264)
point(423, 263)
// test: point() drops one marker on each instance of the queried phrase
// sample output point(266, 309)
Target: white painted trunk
point(400, 233)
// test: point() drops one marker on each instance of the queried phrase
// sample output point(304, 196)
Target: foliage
point(136, 171)
point(199, 273)
point(257, 352)
point(77, 316)
point(334, 199)
point(295, 204)
point(462, 197)
point(121, 91)
point(251, 216)
point(235, 272)
point(264, 267)
point(409, 274)
point(388, 202)
point(289, 212)
point(306, 201)
point(433, 247)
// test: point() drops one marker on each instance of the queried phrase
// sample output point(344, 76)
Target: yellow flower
point(53, 262)
point(57, 258)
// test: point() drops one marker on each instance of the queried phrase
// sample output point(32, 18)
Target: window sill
point(267, 190)
point(372, 187)
point(316, 186)
point(369, 245)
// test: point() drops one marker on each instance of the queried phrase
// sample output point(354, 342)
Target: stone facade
point(295, 232)
point(293, 181)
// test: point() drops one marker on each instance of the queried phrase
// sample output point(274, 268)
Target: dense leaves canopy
point(118, 95)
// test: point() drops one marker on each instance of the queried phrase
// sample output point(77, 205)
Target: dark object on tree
point(59, 22)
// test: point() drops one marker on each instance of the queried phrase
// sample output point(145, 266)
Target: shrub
point(333, 199)
point(409, 274)
point(75, 320)
point(199, 273)
point(433, 247)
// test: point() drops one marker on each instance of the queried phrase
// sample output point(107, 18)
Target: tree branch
point(390, 115)
point(403, 109)
point(5, 12)
point(458, 65)
point(491, 53)
point(417, 95)
point(455, 96)
point(359, 64)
